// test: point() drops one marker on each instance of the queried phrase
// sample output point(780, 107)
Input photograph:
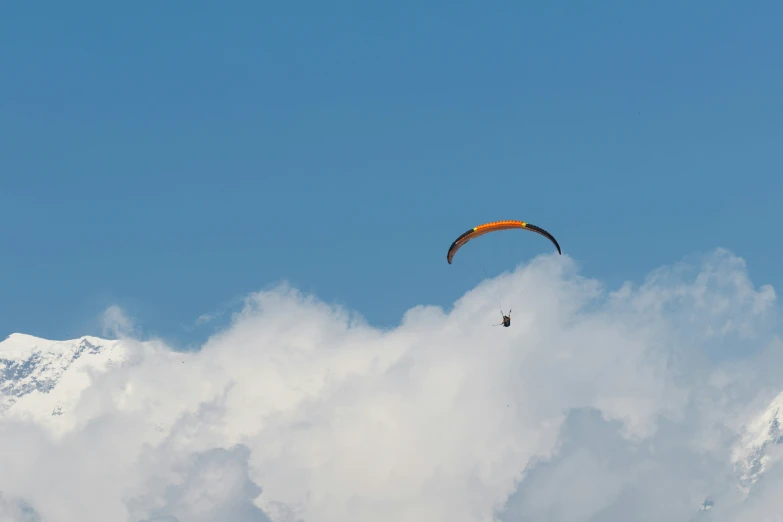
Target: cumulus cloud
point(212, 485)
point(117, 323)
point(594, 405)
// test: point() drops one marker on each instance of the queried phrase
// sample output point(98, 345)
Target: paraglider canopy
point(493, 227)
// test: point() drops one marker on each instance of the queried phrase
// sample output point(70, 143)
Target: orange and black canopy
point(493, 227)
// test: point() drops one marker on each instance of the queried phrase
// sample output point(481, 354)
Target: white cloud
point(204, 319)
point(117, 323)
point(592, 406)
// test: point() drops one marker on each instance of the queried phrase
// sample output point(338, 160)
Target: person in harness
point(506, 319)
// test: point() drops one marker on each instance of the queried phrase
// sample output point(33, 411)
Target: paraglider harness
point(506, 319)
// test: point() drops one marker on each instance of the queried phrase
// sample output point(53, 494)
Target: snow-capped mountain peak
point(31, 367)
point(757, 450)
point(18, 346)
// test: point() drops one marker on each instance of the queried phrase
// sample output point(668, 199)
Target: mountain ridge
point(31, 368)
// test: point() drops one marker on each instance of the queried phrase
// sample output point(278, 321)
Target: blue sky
point(171, 159)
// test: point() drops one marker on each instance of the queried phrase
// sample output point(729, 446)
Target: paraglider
point(506, 319)
point(493, 227)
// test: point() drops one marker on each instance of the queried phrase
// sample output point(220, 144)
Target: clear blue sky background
point(170, 157)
